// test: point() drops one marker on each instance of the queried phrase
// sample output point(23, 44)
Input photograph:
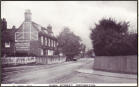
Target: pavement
point(67, 72)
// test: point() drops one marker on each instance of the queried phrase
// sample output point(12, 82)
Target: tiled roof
point(43, 30)
point(40, 29)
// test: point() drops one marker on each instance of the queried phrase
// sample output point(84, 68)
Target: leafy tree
point(83, 48)
point(110, 38)
point(70, 43)
point(89, 53)
point(133, 41)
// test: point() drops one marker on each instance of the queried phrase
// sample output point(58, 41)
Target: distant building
point(31, 39)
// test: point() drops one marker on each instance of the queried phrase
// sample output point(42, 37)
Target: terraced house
point(31, 39)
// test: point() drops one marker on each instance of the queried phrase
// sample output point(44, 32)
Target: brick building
point(7, 39)
point(31, 39)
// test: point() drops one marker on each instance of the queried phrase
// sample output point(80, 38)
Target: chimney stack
point(27, 15)
point(4, 24)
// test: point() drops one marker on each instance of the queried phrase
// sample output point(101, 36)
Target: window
point(41, 52)
point(52, 43)
point(7, 44)
point(41, 40)
point(50, 52)
point(45, 41)
point(49, 42)
point(55, 44)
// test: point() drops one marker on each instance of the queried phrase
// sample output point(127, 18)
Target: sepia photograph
point(69, 43)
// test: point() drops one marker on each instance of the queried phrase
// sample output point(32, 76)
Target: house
point(7, 39)
point(34, 40)
point(30, 39)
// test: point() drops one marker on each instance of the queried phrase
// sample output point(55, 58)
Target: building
point(7, 39)
point(31, 39)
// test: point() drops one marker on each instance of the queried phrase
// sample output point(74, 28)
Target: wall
point(122, 64)
point(34, 48)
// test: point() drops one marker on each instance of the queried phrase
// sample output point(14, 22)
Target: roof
point(40, 29)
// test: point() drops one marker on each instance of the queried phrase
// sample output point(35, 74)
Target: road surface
point(67, 72)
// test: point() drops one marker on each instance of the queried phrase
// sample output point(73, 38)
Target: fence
point(50, 59)
point(17, 60)
point(122, 64)
point(35, 60)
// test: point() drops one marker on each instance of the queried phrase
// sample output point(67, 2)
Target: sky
point(79, 16)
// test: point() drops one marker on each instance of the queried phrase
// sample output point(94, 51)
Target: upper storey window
point(42, 40)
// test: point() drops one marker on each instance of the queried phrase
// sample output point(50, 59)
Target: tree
point(134, 43)
point(89, 53)
point(83, 48)
point(110, 38)
point(69, 42)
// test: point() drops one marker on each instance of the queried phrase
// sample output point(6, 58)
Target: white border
point(77, 84)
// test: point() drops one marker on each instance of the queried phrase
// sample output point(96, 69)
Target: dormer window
point(7, 44)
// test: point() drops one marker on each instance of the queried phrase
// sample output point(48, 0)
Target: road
point(67, 72)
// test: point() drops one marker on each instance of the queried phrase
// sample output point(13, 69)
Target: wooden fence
point(122, 64)
point(17, 60)
point(50, 59)
point(35, 60)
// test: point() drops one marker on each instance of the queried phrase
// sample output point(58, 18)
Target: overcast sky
point(79, 16)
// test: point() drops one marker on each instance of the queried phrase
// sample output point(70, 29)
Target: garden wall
point(122, 64)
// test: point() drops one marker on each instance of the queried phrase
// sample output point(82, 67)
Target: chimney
point(27, 15)
point(49, 27)
point(13, 27)
point(4, 24)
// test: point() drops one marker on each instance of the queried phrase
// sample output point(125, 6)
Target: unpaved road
point(68, 72)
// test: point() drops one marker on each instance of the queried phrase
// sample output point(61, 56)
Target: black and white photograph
point(69, 43)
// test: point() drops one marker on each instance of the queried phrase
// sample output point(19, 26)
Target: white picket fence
point(50, 60)
point(35, 60)
point(17, 60)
